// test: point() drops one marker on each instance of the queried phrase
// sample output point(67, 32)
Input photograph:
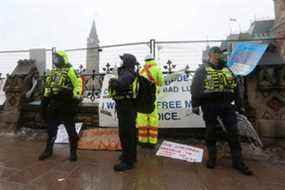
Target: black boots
point(73, 148)
point(123, 166)
point(211, 162)
point(48, 151)
point(242, 168)
point(238, 163)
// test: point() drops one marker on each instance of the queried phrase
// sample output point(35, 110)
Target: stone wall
point(16, 87)
point(31, 118)
point(266, 92)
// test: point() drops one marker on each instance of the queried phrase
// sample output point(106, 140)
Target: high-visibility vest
point(56, 81)
point(130, 93)
point(219, 80)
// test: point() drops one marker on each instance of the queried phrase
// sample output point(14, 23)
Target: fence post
point(53, 51)
point(152, 47)
point(39, 55)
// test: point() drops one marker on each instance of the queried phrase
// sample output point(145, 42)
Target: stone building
point(279, 26)
point(265, 86)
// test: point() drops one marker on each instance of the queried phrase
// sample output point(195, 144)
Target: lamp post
point(169, 66)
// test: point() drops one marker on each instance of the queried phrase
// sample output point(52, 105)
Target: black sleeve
point(239, 94)
point(197, 87)
point(124, 81)
point(44, 102)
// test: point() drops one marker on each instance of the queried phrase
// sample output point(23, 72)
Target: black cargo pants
point(61, 114)
point(226, 112)
point(127, 129)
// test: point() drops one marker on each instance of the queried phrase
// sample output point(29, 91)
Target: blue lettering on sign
point(170, 89)
point(169, 116)
point(185, 89)
point(178, 79)
point(188, 104)
point(169, 104)
point(110, 105)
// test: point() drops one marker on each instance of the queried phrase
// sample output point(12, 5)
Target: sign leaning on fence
point(174, 104)
point(245, 57)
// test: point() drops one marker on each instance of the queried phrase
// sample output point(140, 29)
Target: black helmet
point(129, 60)
point(215, 49)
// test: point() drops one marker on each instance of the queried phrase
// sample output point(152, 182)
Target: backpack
point(146, 95)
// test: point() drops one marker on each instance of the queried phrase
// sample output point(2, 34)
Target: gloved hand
point(66, 92)
point(78, 99)
point(196, 110)
point(112, 83)
point(241, 111)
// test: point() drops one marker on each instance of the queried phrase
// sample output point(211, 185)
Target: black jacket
point(200, 98)
point(126, 76)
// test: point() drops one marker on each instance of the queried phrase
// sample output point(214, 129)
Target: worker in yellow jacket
point(59, 105)
point(147, 124)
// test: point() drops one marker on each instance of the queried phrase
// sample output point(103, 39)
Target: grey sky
point(65, 24)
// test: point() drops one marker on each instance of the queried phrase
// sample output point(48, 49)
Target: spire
point(93, 37)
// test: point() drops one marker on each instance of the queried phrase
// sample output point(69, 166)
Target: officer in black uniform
point(214, 88)
point(62, 91)
point(122, 90)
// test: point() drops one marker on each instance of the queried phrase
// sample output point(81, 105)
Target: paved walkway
point(20, 170)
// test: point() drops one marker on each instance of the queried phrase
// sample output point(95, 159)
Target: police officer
point(147, 124)
point(214, 88)
point(122, 90)
point(62, 92)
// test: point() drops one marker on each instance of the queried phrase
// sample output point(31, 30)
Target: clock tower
point(92, 57)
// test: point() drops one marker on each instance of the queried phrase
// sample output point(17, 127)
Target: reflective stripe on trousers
point(147, 125)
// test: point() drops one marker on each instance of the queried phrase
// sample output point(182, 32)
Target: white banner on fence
point(107, 112)
point(180, 151)
point(174, 104)
point(62, 136)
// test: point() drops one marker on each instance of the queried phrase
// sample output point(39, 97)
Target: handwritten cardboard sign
point(180, 151)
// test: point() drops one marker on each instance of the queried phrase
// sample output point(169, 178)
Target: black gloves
point(77, 99)
point(112, 83)
point(196, 110)
point(241, 110)
point(66, 92)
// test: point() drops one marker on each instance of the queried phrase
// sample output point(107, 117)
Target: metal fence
point(179, 53)
point(170, 55)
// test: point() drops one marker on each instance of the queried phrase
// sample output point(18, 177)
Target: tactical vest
point(57, 81)
point(130, 93)
point(219, 80)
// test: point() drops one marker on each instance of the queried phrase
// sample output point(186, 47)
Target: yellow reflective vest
point(60, 79)
point(131, 93)
point(219, 80)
